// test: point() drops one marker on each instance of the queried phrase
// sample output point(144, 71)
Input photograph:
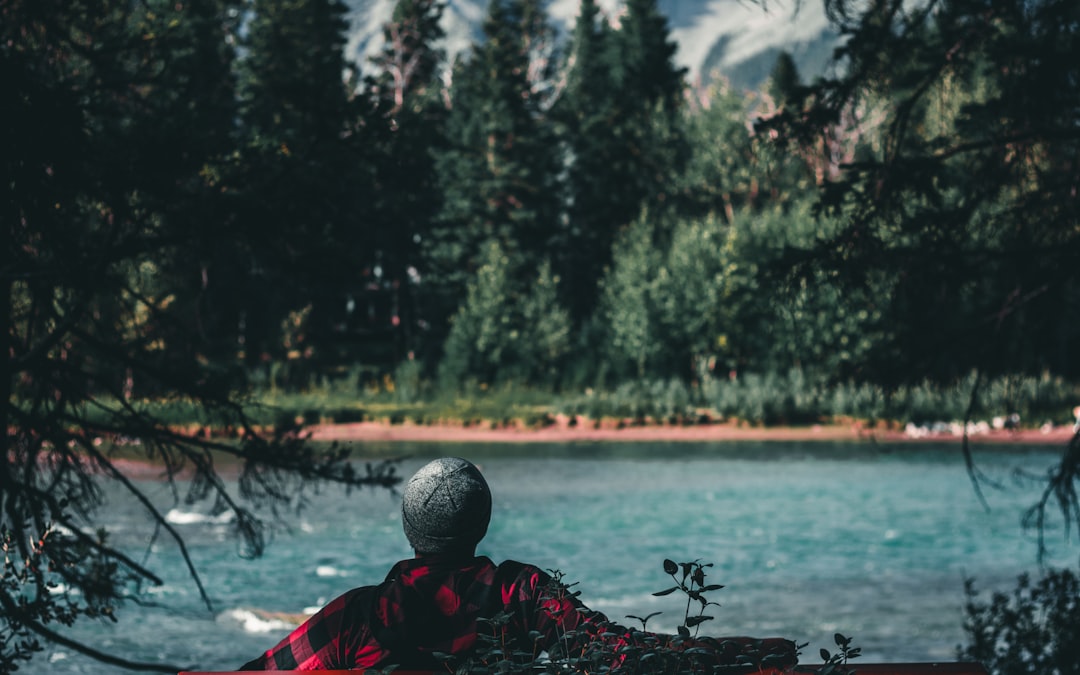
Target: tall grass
point(768, 399)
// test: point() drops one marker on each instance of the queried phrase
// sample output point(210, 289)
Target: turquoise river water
point(870, 540)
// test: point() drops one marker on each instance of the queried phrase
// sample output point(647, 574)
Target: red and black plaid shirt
point(432, 605)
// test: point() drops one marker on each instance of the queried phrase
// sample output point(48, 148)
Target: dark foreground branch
point(1060, 490)
point(13, 614)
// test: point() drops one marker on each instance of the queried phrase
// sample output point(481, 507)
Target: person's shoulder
point(359, 596)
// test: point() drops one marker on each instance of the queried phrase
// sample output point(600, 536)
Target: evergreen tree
point(498, 170)
point(410, 61)
point(194, 122)
point(302, 184)
point(721, 175)
point(404, 120)
point(689, 295)
point(646, 66)
point(507, 328)
point(619, 119)
point(968, 195)
point(784, 83)
point(596, 171)
point(626, 302)
point(483, 335)
point(292, 88)
point(732, 167)
point(650, 96)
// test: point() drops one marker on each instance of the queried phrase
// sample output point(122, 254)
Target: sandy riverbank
point(565, 432)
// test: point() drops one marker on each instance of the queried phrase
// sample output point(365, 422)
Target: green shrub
point(767, 399)
point(657, 400)
point(1035, 631)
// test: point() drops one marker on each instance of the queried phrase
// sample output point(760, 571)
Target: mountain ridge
point(735, 39)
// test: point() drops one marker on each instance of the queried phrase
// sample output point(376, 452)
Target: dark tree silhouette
point(91, 266)
point(965, 200)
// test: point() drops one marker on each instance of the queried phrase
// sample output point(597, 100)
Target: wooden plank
point(928, 668)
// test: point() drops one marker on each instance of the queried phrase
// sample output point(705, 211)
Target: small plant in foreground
point(692, 583)
point(836, 663)
point(1033, 631)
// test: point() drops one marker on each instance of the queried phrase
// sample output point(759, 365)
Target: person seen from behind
point(431, 609)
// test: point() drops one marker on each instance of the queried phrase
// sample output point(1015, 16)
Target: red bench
point(942, 668)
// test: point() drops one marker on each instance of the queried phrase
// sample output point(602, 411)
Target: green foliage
point(689, 578)
point(598, 199)
point(768, 399)
point(686, 298)
point(784, 81)
point(720, 175)
point(483, 333)
point(626, 297)
point(637, 400)
point(618, 120)
point(835, 663)
point(299, 179)
point(498, 169)
point(962, 193)
point(506, 330)
point(403, 115)
point(801, 397)
point(292, 93)
point(1032, 631)
point(545, 328)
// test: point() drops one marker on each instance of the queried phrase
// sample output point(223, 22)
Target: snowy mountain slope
point(734, 38)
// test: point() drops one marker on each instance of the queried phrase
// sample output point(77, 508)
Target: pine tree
point(619, 118)
point(409, 64)
point(404, 118)
point(784, 83)
point(292, 92)
point(302, 182)
point(647, 71)
point(650, 95)
point(498, 170)
point(507, 328)
point(194, 123)
point(596, 173)
point(626, 301)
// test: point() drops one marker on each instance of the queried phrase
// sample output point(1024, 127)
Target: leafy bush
point(1032, 632)
point(657, 400)
point(767, 399)
point(506, 329)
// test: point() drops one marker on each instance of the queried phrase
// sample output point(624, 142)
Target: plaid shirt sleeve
point(326, 641)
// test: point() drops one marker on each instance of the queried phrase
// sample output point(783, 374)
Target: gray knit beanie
point(446, 507)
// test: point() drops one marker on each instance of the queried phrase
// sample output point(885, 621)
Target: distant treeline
point(556, 214)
